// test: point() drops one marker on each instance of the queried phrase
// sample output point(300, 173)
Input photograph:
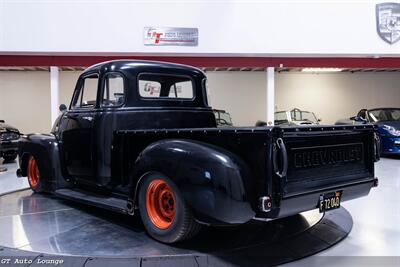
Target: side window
point(206, 91)
point(86, 97)
point(181, 90)
point(113, 93)
point(165, 86)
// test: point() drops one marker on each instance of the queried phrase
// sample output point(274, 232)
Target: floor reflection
point(45, 223)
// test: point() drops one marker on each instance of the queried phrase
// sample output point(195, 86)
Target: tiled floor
point(376, 230)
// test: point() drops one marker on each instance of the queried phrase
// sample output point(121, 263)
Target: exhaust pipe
point(19, 173)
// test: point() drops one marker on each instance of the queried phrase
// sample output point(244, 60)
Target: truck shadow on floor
point(125, 235)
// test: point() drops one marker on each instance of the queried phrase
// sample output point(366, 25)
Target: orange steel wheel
point(160, 203)
point(33, 172)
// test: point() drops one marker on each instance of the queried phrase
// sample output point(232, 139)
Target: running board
point(111, 203)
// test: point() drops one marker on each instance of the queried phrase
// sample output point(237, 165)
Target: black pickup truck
point(139, 136)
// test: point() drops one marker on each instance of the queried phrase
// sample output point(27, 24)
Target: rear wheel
point(34, 178)
point(164, 213)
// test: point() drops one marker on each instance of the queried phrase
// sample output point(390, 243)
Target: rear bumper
point(309, 201)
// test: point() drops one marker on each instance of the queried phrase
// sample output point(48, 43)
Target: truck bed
point(317, 158)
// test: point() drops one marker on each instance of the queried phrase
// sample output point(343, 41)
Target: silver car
point(295, 117)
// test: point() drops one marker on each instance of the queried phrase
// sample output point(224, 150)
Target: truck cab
point(124, 95)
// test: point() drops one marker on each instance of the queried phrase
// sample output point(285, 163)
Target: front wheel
point(34, 177)
point(165, 215)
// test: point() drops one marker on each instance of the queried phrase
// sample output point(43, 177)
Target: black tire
point(182, 227)
point(9, 158)
point(35, 179)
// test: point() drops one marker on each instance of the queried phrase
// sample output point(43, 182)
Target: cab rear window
point(163, 86)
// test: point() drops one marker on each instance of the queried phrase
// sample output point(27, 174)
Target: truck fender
point(44, 147)
point(210, 178)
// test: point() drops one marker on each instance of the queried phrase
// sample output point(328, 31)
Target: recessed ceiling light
point(321, 70)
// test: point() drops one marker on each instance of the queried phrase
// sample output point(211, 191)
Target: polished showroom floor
point(9, 181)
point(376, 230)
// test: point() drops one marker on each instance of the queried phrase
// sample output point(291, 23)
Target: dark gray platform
point(43, 226)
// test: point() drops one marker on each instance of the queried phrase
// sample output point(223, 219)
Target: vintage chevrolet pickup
point(139, 136)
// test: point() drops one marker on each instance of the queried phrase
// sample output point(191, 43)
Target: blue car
point(388, 122)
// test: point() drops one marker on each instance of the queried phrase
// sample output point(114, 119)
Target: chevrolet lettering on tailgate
point(327, 155)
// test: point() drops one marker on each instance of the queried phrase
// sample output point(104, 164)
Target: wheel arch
point(210, 178)
point(44, 148)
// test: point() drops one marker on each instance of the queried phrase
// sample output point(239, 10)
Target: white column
point(54, 93)
point(270, 95)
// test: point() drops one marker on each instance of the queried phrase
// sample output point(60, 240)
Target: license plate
point(329, 201)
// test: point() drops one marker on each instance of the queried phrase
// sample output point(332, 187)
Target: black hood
point(7, 128)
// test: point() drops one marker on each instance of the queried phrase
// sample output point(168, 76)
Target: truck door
point(77, 135)
point(111, 102)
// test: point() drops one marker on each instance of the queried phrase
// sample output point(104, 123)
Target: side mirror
point(63, 108)
point(2, 121)
point(319, 120)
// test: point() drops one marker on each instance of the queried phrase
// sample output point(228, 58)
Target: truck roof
point(131, 71)
point(136, 66)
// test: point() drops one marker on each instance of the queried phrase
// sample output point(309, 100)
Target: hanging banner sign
point(163, 36)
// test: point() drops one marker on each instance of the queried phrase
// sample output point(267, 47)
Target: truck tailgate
point(319, 157)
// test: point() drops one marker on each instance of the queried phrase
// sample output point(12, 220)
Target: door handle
point(88, 118)
point(377, 146)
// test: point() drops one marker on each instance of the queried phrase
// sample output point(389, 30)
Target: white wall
point(330, 96)
point(337, 96)
point(25, 96)
point(25, 100)
point(67, 86)
point(242, 94)
point(286, 27)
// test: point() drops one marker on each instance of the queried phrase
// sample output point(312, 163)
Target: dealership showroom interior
point(199, 133)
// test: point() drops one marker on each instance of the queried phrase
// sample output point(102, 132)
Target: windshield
point(298, 115)
point(280, 117)
point(387, 114)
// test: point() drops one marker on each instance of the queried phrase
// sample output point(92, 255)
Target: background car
point(9, 137)
point(295, 117)
point(222, 117)
point(388, 122)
